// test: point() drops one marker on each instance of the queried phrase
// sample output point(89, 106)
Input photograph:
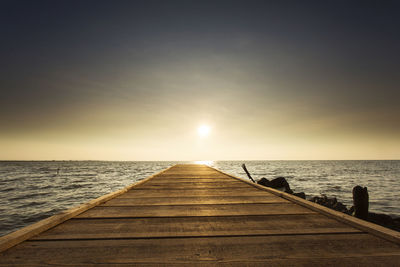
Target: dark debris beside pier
point(360, 202)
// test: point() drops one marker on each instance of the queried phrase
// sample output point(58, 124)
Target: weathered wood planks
point(159, 192)
point(194, 210)
point(127, 200)
point(193, 214)
point(312, 250)
point(195, 227)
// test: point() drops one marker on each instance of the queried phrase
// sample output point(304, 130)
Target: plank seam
point(194, 236)
point(207, 204)
point(194, 216)
point(187, 188)
point(193, 196)
point(205, 216)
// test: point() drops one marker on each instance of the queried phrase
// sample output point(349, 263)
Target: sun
point(204, 130)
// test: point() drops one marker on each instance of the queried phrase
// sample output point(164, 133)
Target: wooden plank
point(265, 250)
point(126, 201)
point(157, 182)
point(195, 226)
point(193, 176)
point(194, 210)
point(193, 180)
point(193, 193)
point(194, 187)
point(190, 169)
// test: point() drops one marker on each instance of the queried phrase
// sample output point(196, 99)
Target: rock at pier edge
point(359, 209)
point(360, 201)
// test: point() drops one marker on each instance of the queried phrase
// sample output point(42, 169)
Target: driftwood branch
point(247, 172)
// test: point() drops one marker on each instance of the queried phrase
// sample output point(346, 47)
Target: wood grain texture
point(194, 210)
point(149, 201)
point(172, 185)
point(195, 215)
point(189, 187)
point(166, 181)
point(351, 249)
point(196, 226)
point(160, 192)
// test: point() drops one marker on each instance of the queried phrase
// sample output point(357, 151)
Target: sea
point(33, 190)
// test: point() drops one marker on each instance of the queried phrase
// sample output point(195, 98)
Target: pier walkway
point(194, 215)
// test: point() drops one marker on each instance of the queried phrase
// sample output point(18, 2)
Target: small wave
point(302, 179)
point(81, 175)
point(9, 180)
point(32, 204)
point(30, 196)
point(336, 188)
point(7, 189)
point(35, 188)
point(37, 217)
point(72, 186)
point(46, 187)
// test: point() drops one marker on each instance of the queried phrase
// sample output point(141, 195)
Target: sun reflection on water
point(204, 162)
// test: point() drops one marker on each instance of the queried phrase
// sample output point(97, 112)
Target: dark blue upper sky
point(332, 65)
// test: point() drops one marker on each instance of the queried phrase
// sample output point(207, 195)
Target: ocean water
point(33, 190)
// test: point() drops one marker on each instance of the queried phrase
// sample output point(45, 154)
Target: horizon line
point(14, 160)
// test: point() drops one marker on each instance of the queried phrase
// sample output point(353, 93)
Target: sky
point(134, 80)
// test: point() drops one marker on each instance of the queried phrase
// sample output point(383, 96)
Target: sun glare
point(204, 130)
point(204, 162)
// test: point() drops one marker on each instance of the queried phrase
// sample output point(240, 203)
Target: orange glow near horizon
point(232, 83)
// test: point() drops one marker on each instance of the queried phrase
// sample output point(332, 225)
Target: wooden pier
point(194, 215)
